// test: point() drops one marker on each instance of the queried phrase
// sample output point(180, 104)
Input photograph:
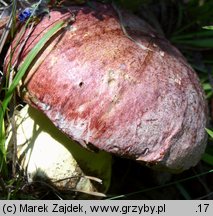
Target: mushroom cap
point(128, 92)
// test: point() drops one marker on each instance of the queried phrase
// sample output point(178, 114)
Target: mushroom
point(47, 155)
point(110, 82)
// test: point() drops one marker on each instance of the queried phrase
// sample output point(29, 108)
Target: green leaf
point(208, 158)
point(207, 86)
point(210, 132)
point(208, 27)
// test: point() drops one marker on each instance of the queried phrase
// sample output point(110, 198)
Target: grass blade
point(193, 35)
point(122, 196)
point(210, 132)
point(183, 191)
point(202, 43)
point(208, 27)
point(23, 68)
point(208, 158)
point(28, 60)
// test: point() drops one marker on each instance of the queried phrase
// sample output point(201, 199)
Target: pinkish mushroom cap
point(132, 95)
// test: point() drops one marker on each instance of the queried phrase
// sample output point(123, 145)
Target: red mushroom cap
point(102, 88)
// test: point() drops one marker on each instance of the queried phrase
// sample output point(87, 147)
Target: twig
point(80, 176)
point(122, 23)
point(4, 3)
point(90, 193)
point(14, 137)
point(53, 189)
point(6, 32)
